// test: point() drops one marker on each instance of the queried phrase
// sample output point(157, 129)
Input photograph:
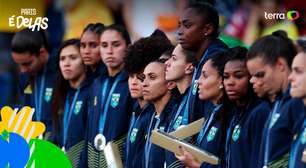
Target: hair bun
point(281, 34)
point(158, 33)
point(302, 43)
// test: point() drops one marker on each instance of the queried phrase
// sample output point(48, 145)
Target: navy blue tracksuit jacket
point(298, 147)
point(136, 139)
point(75, 111)
point(245, 133)
point(155, 155)
point(116, 113)
point(284, 123)
point(197, 107)
point(37, 92)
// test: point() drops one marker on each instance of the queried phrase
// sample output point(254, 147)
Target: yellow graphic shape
point(21, 122)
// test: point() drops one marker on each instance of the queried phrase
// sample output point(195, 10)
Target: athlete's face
point(90, 50)
point(154, 84)
point(298, 76)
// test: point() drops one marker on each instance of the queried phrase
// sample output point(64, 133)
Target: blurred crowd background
point(242, 21)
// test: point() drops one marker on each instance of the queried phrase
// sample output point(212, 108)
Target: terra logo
point(291, 15)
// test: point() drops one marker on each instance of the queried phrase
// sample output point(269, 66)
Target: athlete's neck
point(114, 71)
point(285, 83)
point(202, 48)
point(218, 99)
point(161, 103)
point(141, 102)
point(93, 68)
point(75, 83)
point(184, 83)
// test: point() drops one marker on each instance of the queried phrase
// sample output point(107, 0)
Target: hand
point(187, 159)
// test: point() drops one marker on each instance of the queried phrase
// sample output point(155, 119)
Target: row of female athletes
point(102, 88)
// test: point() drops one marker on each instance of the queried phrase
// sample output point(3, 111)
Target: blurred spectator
point(56, 25)
point(116, 8)
point(142, 17)
point(8, 78)
point(226, 8)
point(81, 12)
point(250, 21)
point(301, 7)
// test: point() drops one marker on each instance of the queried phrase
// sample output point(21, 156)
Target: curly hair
point(144, 51)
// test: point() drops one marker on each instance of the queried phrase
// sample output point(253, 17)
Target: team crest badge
point(162, 129)
point(178, 122)
point(303, 137)
point(274, 119)
point(133, 135)
point(115, 100)
point(236, 133)
point(28, 90)
point(212, 133)
point(195, 87)
point(77, 107)
point(48, 94)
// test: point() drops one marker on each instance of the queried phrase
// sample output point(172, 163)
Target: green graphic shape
point(46, 155)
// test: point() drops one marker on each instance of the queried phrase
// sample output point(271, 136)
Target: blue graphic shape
point(14, 151)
